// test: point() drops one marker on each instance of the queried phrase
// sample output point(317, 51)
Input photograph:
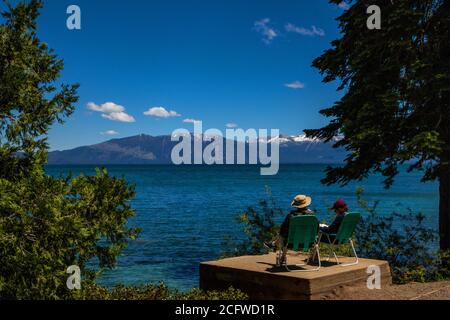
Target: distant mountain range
point(146, 149)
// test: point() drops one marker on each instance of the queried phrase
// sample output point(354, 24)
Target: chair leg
point(318, 254)
point(318, 244)
point(345, 264)
point(316, 251)
point(334, 253)
point(331, 247)
point(314, 256)
point(356, 256)
point(297, 265)
point(311, 256)
point(330, 252)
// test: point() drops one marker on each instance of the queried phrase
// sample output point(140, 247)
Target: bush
point(403, 240)
point(258, 225)
point(154, 292)
point(197, 294)
point(47, 225)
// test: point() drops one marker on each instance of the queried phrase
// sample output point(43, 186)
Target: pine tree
point(395, 107)
point(47, 224)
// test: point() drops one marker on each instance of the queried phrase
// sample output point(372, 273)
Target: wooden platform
point(259, 277)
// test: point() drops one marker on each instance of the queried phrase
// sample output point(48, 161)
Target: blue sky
point(221, 62)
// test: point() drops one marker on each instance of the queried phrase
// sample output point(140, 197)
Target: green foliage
point(403, 240)
point(29, 101)
point(47, 224)
point(121, 292)
point(197, 294)
point(396, 106)
point(258, 225)
point(155, 292)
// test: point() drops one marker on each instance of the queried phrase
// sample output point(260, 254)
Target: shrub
point(403, 240)
point(154, 292)
point(258, 225)
point(47, 225)
point(197, 294)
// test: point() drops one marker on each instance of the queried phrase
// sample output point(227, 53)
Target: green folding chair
point(343, 236)
point(303, 230)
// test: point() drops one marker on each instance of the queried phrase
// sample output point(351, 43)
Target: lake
point(185, 212)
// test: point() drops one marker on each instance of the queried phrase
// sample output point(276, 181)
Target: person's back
point(284, 229)
point(300, 203)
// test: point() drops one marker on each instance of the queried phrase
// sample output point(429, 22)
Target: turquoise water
point(186, 211)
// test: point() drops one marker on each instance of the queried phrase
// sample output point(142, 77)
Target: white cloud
point(118, 116)
point(343, 5)
point(267, 32)
point(161, 112)
point(295, 85)
point(231, 125)
point(314, 31)
point(109, 133)
point(189, 120)
point(107, 107)
point(111, 111)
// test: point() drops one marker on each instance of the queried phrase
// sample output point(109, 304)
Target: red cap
point(339, 204)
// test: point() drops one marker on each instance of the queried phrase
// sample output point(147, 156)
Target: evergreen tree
point(47, 224)
point(396, 103)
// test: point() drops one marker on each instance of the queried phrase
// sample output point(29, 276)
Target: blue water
point(186, 211)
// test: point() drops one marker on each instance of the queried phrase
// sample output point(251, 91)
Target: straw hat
point(301, 201)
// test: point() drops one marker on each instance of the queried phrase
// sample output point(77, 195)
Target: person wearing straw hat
point(300, 203)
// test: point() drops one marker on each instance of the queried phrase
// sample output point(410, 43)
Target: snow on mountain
point(145, 149)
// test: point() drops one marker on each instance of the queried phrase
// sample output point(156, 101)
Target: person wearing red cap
point(340, 208)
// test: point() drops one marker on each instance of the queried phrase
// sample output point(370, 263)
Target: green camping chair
point(343, 236)
point(303, 230)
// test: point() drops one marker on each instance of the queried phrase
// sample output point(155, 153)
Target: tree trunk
point(444, 207)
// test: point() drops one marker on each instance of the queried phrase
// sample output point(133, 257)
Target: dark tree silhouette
point(396, 106)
